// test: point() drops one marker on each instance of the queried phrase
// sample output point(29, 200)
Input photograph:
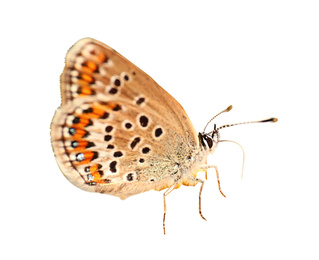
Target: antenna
point(271, 120)
point(225, 110)
point(268, 120)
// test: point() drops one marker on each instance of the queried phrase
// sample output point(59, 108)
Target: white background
point(260, 56)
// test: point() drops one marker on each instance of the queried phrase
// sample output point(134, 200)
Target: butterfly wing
point(113, 132)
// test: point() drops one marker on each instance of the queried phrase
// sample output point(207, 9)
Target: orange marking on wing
point(111, 105)
point(87, 77)
point(98, 110)
point(79, 134)
point(96, 176)
point(81, 82)
point(102, 181)
point(83, 123)
point(86, 91)
point(89, 156)
point(94, 168)
point(81, 145)
point(108, 106)
point(90, 115)
point(96, 113)
point(101, 57)
point(89, 66)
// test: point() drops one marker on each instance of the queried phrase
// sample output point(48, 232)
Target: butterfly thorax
point(181, 167)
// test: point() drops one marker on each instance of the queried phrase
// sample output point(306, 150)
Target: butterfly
point(118, 132)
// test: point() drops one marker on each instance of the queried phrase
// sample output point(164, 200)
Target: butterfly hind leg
point(168, 191)
point(175, 185)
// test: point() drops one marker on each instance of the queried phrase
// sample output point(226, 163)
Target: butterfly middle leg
point(192, 181)
point(205, 167)
point(200, 197)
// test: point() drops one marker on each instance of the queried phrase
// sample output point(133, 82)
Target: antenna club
point(271, 120)
point(229, 108)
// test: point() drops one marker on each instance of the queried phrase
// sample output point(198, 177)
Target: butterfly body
point(117, 131)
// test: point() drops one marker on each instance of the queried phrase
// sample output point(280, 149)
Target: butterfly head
point(210, 140)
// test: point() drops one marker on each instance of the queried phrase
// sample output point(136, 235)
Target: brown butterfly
point(118, 132)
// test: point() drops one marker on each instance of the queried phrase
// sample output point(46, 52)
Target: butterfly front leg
point(205, 167)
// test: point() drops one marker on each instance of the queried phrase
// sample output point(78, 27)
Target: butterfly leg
point(200, 197)
point(205, 167)
point(168, 191)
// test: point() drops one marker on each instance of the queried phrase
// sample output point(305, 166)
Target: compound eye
point(209, 141)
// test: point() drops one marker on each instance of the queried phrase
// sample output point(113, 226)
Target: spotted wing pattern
point(113, 131)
